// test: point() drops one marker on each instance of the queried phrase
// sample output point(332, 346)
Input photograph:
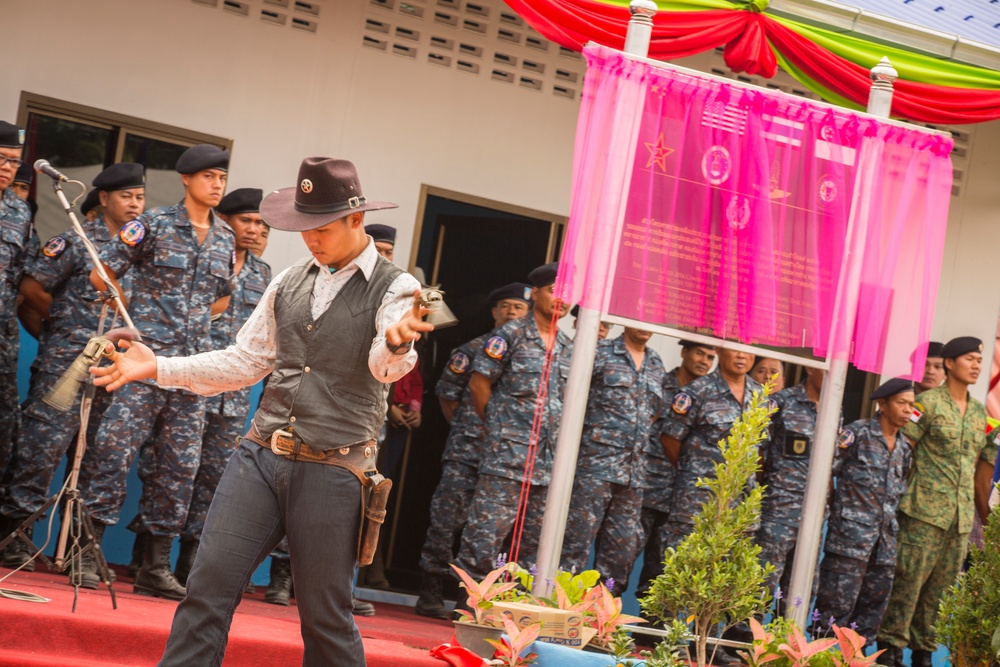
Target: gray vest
point(322, 389)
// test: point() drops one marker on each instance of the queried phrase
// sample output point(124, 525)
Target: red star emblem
point(658, 153)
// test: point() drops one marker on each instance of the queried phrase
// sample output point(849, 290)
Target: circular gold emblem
point(306, 185)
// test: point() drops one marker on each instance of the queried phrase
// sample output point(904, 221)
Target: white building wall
point(282, 94)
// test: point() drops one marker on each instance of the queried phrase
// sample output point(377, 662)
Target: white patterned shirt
point(253, 355)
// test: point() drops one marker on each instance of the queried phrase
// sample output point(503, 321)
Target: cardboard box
point(559, 626)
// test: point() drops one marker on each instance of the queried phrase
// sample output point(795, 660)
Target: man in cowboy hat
point(333, 330)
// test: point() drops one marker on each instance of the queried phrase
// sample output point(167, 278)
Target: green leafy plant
point(510, 648)
point(669, 652)
point(481, 594)
point(969, 615)
point(714, 578)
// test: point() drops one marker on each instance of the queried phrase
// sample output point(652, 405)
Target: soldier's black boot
point(892, 656)
point(279, 591)
point(139, 547)
point(88, 576)
point(920, 659)
point(155, 578)
point(431, 601)
point(362, 608)
point(18, 553)
point(185, 559)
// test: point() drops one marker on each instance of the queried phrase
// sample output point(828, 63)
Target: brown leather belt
point(359, 456)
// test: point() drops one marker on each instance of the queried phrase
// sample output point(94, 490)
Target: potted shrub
point(473, 629)
point(714, 578)
point(969, 616)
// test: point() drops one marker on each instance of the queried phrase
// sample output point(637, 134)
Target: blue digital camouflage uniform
point(63, 270)
point(656, 496)
point(174, 284)
point(860, 553)
point(786, 469)
point(604, 511)
point(459, 462)
point(700, 415)
point(16, 234)
point(226, 414)
point(513, 359)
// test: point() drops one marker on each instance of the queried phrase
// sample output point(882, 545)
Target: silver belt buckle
point(274, 441)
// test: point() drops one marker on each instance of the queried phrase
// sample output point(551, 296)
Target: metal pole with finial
point(588, 323)
point(832, 396)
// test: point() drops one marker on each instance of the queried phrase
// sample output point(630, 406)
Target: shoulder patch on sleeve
point(55, 247)
point(918, 412)
point(459, 363)
point(495, 347)
point(845, 439)
point(132, 233)
point(682, 403)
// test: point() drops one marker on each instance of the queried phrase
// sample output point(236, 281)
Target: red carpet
point(263, 635)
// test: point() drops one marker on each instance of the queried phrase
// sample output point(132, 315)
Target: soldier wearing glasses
point(15, 233)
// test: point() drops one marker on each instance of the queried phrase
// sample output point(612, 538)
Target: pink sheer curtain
point(720, 209)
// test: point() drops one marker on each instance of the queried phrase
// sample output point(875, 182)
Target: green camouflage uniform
point(935, 514)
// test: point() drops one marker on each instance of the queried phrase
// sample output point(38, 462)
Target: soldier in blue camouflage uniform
point(872, 466)
point(626, 391)
point(700, 416)
point(182, 260)
point(226, 414)
point(15, 234)
point(506, 379)
point(785, 471)
point(462, 452)
point(696, 362)
point(57, 288)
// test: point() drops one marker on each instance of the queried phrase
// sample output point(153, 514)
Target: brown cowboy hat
point(327, 189)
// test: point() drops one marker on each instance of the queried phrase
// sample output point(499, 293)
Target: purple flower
point(501, 560)
point(831, 621)
point(797, 602)
point(815, 616)
point(610, 583)
point(533, 570)
point(777, 593)
point(854, 626)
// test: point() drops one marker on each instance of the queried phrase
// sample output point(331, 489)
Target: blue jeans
point(261, 498)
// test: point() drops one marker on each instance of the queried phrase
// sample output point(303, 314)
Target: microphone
point(43, 167)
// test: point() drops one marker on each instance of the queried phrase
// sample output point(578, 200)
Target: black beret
point(956, 347)
point(24, 174)
point(383, 233)
point(120, 176)
point(892, 387)
point(202, 157)
point(518, 291)
point(90, 202)
point(934, 349)
point(11, 136)
point(544, 275)
point(690, 343)
point(242, 200)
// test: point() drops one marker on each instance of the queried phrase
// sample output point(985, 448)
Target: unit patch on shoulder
point(918, 412)
point(846, 439)
point(458, 363)
point(495, 347)
point(55, 247)
point(682, 403)
point(132, 233)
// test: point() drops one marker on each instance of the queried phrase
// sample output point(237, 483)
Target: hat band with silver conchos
point(353, 202)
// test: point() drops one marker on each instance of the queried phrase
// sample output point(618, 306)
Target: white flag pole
point(588, 323)
point(832, 397)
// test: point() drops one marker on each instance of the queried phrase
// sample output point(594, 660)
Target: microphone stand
point(77, 522)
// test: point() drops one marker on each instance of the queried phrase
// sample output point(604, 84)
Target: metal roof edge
point(883, 29)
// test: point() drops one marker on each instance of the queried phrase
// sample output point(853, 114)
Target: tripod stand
point(77, 522)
